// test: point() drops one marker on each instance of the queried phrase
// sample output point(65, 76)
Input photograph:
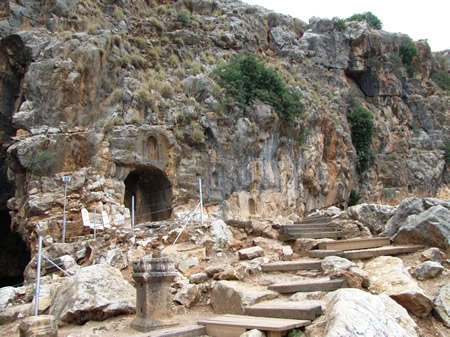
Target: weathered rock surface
point(94, 293)
point(232, 296)
point(352, 312)
point(442, 305)
point(335, 263)
point(432, 254)
point(250, 253)
point(38, 326)
point(421, 221)
point(389, 276)
point(254, 333)
point(372, 216)
point(428, 269)
point(7, 295)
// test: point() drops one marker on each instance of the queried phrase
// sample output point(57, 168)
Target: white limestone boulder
point(354, 313)
point(389, 276)
point(95, 292)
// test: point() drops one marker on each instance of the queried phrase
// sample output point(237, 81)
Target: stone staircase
point(306, 311)
point(315, 227)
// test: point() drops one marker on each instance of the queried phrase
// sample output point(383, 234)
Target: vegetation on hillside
point(362, 126)
point(408, 51)
point(442, 78)
point(246, 79)
point(371, 19)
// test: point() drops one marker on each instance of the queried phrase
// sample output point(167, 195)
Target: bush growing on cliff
point(408, 51)
point(442, 78)
point(362, 125)
point(371, 19)
point(41, 163)
point(246, 78)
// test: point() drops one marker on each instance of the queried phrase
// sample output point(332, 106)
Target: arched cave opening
point(152, 192)
point(14, 253)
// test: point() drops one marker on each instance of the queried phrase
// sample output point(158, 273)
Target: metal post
point(201, 199)
point(64, 214)
point(132, 212)
point(95, 223)
point(38, 278)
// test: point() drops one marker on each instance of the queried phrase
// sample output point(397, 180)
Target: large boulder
point(221, 234)
point(389, 276)
point(95, 292)
point(352, 313)
point(422, 221)
point(442, 305)
point(230, 297)
point(372, 216)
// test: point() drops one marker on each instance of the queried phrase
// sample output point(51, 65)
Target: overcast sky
point(419, 19)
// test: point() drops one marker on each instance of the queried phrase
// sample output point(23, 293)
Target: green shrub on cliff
point(246, 79)
point(41, 163)
point(371, 19)
point(408, 51)
point(442, 78)
point(362, 125)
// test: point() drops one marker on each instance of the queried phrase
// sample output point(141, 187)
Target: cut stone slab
point(352, 244)
point(250, 253)
point(381, 251)
point(317, 235)
point(388, 276)
point(290, 310)
point(322, 253)
point(304, 286)
point(235, 325)
point(193, 331)
point(233, 296)
point(291, 266)
point(315, 220)
point(38, 326)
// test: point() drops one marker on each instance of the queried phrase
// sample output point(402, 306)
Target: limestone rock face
point(232, 296)
point(372, 216)
point(353, 312)
point(76, 94)
point(442, 305)
point(389, 276)
point(94, 293)
point(421, 221)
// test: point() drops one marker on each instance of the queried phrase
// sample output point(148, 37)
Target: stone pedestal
point(38, 326)
point(153, 278)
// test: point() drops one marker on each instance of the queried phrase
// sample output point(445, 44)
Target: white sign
point(66, 179)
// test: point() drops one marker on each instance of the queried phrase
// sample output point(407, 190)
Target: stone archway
point(153, 194)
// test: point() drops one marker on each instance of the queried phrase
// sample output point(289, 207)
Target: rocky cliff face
point(118, 95)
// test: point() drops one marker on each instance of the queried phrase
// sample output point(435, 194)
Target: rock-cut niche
point(152, 192)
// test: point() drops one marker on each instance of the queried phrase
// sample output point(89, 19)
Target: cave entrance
point(14, 253)
point(152, 192)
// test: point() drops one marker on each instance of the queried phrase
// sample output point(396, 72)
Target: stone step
point(285, 310)
point(364, 253)
point(317, 235)
point(291, 266)
point(308, 230)
point(306, 286)
point(315, 220)
point(322, 253)
point(353, 244)
point(236, 325)
point(381, 251)
point(192, 331)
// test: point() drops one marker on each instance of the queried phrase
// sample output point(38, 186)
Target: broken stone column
point(153, 278)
